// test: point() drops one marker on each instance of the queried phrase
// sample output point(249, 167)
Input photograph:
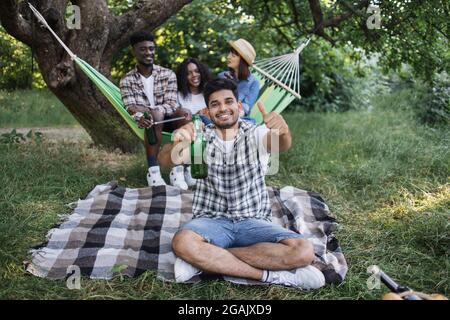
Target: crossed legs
point(245, 262)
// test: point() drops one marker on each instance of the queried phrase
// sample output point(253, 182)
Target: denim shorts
point(226, 233)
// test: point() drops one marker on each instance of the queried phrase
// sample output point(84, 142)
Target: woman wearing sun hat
point(239, 59)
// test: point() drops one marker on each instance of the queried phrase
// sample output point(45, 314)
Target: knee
point(183, 112)
point(184, 244)
point(301, 253)
point(157, 115)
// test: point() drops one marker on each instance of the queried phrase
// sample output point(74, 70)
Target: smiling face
point(233, 60)
point(224, 109)
point(144, 52)
point(193, 76)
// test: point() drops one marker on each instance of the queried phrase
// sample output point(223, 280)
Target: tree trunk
point(101, 35)
point(80, 96)
point(94, 112)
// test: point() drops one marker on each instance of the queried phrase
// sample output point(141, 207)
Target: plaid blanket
point(116, 229)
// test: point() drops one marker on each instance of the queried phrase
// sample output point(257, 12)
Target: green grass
point(383, 175)
point(33, 108)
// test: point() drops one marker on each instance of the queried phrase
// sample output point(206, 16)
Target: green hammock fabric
point(112, 93)
point(274, 98)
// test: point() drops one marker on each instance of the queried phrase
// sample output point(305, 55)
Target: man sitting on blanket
point(231, 233)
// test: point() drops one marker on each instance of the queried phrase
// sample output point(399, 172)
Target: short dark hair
point(182, 73)
point(140, 36)
point(218, 84)
point(243, 68)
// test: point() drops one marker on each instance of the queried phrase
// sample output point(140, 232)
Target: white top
point(148, 88)
point(193, 102)
point(260, 133)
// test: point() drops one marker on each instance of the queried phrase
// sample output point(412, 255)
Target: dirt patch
point(72, 134)
point(78, 138)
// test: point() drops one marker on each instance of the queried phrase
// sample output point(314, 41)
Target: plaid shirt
point(165, 90)
point(235, 187)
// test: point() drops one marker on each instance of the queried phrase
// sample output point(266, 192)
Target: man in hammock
point(153, 89)
point(231, 232)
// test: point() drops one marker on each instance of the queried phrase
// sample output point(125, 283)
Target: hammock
point(279, 79)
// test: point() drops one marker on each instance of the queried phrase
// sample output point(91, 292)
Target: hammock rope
point(283, 70)
point(42, 20)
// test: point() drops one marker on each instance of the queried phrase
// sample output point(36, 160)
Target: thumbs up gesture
point(273, 121)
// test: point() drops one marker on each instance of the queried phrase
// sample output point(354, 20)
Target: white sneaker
point(154, 178)
point(177, 177)
point(188, 177)
point(308, 277)
point(184, 271)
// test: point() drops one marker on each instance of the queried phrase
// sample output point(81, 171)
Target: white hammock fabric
point(283, 70)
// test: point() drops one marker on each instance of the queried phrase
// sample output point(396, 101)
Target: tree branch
point(145, 15)
point(320, 24)
point(19, 21)
point(14, 23)
point(355, 10)
point(295, 12)
point(439, 30)
point(277, 27)
point(95, 29)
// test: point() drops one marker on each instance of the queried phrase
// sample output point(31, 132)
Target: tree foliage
point(16, 71)
point(202, 30)
point(415, 32)
point(412, 32)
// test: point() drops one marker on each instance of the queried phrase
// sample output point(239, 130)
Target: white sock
point(154, 169)
point(267, 276)
point(178, 169)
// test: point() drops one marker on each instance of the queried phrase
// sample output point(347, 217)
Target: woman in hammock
point(192, 76)
point(239, 59)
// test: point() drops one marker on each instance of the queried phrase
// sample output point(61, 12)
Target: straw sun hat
point(245, 50)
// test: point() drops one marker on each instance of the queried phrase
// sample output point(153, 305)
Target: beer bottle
point(150, 132)
point(199, 167)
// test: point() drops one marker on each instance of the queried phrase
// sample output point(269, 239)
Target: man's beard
point(225, 126)
point(148, 65)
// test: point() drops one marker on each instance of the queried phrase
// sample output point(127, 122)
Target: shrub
point(338, 79)
point(15, 65)
point(435, 106)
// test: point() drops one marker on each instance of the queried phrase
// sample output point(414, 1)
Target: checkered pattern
point(164, 91)
point(133, 229)
point(235, 187)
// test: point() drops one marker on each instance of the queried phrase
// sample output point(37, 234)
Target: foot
point(188, 177)
point(184, 271)
point(177, 177)
point(308, 277)
point(154, 178)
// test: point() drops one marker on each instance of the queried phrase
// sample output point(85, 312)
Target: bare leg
point(287, 254)
point(195, 250)
point(247, 262)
